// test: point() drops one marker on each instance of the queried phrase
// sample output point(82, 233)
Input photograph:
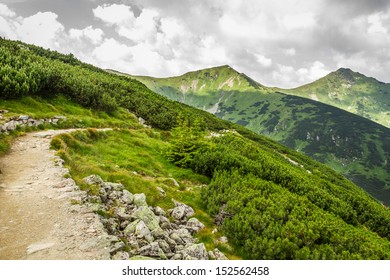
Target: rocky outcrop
point(143, 231)
point(24, 120)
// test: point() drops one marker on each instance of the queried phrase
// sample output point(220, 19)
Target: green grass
point(135, 158)
point(77, 116)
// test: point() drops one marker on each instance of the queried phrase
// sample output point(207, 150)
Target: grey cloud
point(357, 7)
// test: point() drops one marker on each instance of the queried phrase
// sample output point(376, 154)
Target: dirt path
point(37, 217)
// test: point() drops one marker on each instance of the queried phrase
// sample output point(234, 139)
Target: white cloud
point(7, 29)
point(292, 77)
point(95, 36)
point(114, 14)
point(172, 28)
point(263, 61)
point(317, 70)
point(375, 24)
point(5, 11)
point(142, 28)
point(111, 52)
point(42, 29)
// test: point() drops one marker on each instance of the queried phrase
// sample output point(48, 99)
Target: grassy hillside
point(271, 202)
point(352, 92)
point(352, 145)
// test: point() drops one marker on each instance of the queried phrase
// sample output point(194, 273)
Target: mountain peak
point(343, 70)
point(345, 74)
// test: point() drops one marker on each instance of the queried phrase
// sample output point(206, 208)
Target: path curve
point(38, 215)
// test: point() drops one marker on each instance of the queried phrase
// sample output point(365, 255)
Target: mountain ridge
point(351, 91)
point(349, 143)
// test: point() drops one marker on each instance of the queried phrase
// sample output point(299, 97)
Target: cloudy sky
point(282, 43)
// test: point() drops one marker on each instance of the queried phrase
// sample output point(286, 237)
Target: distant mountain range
point(352, 92)
point(351, 144)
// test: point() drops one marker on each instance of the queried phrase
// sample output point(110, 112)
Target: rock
point(159, 233)
point(23, 118)
point(181, 211)
point(164, 222)
point(131, 227)
point(176, 238)
point(223, 239)
point(121, 256)
point(211, 255)
point(142, 231)
point(140, 258)
point(93, 180)
point(178, 213)
point(164, 246)
point(162, 192)
point(114, 195)
point(124, 224)
point(111, 225)
point(159, 211)
point(127, 197)
point(117, 247)
point(113, 186)
point(172, 244)
point(133, 243)
point(175, 183)
point(145, 214)
point(195, 252)
point(219, 255)
point(184, 235)
point(120, 212)
point(63, 118)
point(11, 125)
point(194, 224)
point(177, 257)
point(140, 199)
point(222, 215)
point(152, 250)
point(95, 207)
point(179, 248)
point(141, 121)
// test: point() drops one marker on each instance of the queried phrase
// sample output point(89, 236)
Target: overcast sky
point(283, 43)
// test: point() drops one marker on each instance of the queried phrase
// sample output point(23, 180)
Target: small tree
point(186, 141)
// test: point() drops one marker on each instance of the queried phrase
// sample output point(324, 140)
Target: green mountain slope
point(352, 92)
point(271, 202)
point(352, 145)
